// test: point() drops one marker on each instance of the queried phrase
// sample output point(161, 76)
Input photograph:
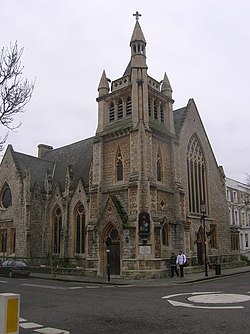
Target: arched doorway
point(114, 247)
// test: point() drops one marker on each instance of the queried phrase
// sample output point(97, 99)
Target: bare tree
point(15, 91)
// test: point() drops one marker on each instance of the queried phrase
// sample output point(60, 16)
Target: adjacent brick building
point(138, 184)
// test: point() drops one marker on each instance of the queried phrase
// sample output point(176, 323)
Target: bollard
point(9, 313)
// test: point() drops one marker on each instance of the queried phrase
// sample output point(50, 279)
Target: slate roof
point(78, 154)
point(179, 118)
point(128, 70)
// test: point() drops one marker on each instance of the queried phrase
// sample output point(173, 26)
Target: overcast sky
point(202, 45)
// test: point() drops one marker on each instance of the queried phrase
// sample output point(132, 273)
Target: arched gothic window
point(80, 230)
point(119, 166)
point(159, 167)
point(196, 170)
point(57, 229)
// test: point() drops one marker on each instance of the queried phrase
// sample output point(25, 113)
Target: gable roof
point(38, 167)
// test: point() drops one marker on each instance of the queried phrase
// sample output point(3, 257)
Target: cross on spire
point(137, 15)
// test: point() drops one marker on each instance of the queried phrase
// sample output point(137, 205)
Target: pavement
point(167, 281)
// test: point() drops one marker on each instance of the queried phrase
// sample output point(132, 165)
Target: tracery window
point(80, 230)
point(196, 170)
point(119, 165)
point(57, 229)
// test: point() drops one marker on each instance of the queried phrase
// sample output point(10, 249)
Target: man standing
point(181, 259)
point(173, 265)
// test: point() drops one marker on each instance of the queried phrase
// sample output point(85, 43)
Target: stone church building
point(135, 188)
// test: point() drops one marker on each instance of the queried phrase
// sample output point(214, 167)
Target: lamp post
point(108, 243)
point(203, 221)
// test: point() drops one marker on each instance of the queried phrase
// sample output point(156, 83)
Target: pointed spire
point(137, 35)
point(103, 87)
point(138, 45)
point(166, 88)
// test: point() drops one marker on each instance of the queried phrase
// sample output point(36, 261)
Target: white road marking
point(209, 298)
point(175, 303)
point(49, 330)
point(4, 282)
point(189, 293)
point(40, 328)
point(124, 286)
point(46, 286)
point(75, 287)
point(224, 298)
point(92, 287)
point(30, 325)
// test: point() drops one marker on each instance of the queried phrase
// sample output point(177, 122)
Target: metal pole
point(205, 243)
point(108, 243)
point(108, 264)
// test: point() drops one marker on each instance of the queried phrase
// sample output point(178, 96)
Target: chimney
point(43, 149)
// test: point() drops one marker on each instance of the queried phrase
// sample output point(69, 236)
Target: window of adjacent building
point(196, 170)
point(230, 216)
point(128, 106)
point(213, 235)
point(248, 218)
point(241, 241)
point(246, 240)
point(228, 195)
point(236, 217)
point(6, 197)
point(165, 234)
point(57, 229)
point(159, 167)
point(119, 166)
point(242, 198)
point(111, 112)
point(120, 109)
point(80, 230)
point(243, 218)
point(235, 198)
